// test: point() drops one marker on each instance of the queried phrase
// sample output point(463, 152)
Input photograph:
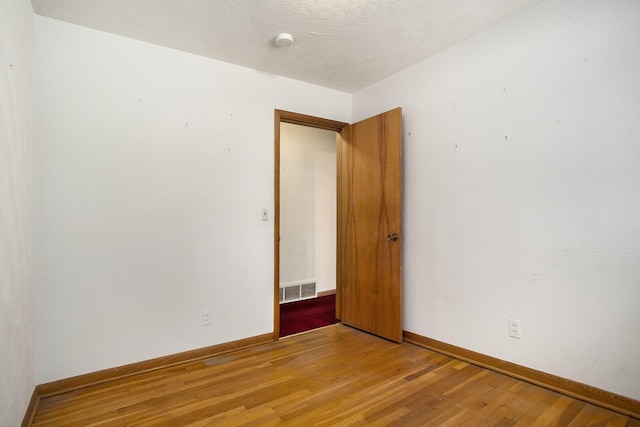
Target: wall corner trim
point(31, 409)
point(587, 393)
point(326, 293)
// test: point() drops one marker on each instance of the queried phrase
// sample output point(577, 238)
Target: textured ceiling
point(340, 44)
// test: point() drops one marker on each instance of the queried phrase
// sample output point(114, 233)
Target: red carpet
point(300, 316)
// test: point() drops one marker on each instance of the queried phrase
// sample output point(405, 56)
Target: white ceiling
point(340, 44)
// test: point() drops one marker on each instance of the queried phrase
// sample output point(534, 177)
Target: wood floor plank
point(329, 377)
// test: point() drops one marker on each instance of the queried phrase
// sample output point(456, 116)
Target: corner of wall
point(17, 224)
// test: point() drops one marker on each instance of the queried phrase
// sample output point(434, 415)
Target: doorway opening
point(305, 222)
point(308, 200)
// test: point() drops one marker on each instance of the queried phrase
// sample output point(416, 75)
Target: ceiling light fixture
point(284, 40)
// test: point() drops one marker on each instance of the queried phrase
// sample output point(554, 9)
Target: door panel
point(369, 214)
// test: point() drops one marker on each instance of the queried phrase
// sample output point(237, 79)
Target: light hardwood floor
point(328, 377)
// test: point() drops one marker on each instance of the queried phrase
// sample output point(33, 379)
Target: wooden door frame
point(282, 116)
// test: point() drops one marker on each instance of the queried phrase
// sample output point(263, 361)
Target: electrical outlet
point(514, 328)
point(206, 318)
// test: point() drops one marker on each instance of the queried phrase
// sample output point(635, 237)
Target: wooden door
point(370, 225)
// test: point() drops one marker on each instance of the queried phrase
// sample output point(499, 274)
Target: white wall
point(307, 206)
point(17, 267)
point(154, 165)
point(522, 197)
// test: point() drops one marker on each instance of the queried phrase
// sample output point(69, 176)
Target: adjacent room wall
point(154, 166)
point(522, 197)
point(307, 206)
point(17, 268)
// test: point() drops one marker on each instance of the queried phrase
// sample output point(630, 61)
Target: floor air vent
point(297, 292)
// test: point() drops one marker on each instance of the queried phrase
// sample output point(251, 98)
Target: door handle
point(393, 237)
